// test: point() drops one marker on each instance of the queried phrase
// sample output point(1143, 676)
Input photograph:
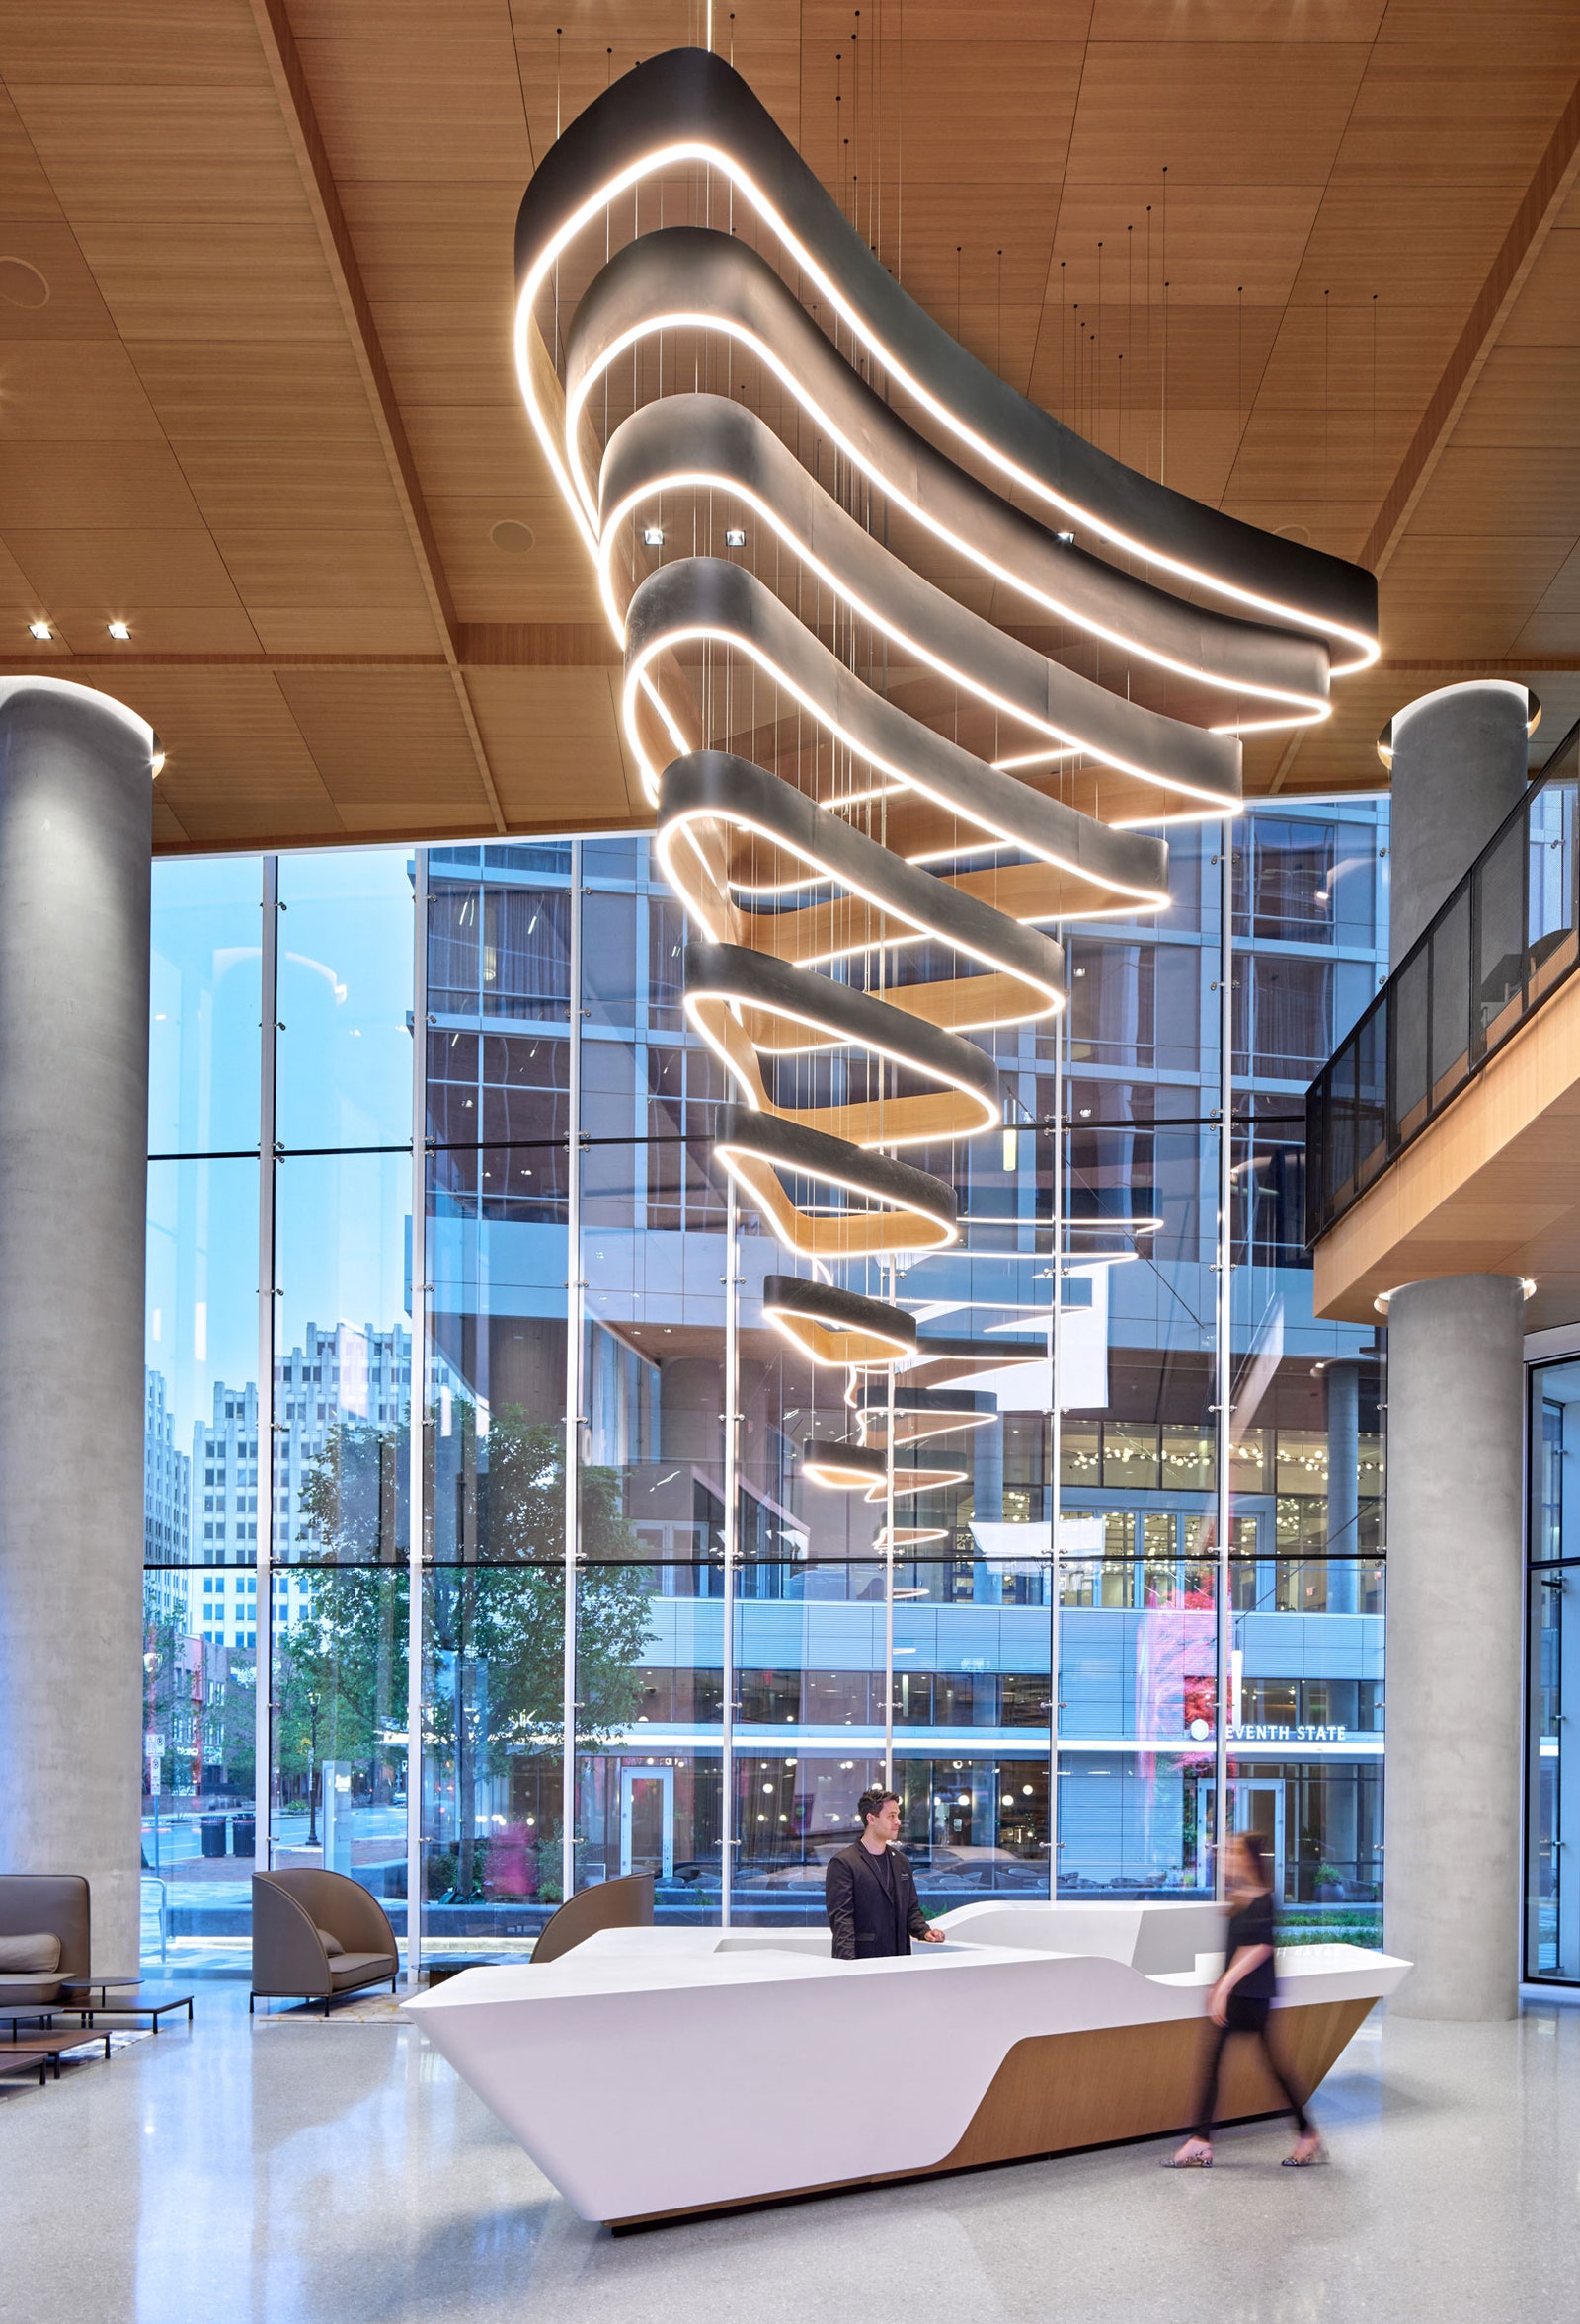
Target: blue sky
point(345, 1080)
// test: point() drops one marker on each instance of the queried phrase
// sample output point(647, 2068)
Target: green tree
point(494, 1615)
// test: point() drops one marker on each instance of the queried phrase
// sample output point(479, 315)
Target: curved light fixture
point(835, 1326)
point(718, 454)
point(687, 108)
point(843, 1202)
point(853, 1468)
point(842, 1468)
point(867, 892)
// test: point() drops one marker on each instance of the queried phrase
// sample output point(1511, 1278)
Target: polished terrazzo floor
point(341, 2173)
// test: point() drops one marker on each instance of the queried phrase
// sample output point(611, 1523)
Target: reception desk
point(655, 2072)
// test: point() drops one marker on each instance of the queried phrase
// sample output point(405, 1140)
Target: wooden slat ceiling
point(1319, 265)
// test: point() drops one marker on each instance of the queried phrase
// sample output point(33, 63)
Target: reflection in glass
point(204, 1006)
point(343, 1061)
point(1552, 1758)
point(720, 1741)
point(339, 1759)
point(343, 1356)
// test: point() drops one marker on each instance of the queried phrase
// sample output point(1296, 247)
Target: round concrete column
point(76, 813)
point(1459, 765)
point(1451, 1714)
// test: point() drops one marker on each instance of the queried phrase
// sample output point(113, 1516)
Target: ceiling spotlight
point(118, 628)
point(735, 537)
point(39, 630)
point(1068, 539)
point(653, 535)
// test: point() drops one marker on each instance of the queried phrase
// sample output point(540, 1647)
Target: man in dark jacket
point(872, 1897)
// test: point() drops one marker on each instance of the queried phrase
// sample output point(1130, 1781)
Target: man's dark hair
point(872, 1803)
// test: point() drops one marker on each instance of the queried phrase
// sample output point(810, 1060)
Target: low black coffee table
point(139, 2003)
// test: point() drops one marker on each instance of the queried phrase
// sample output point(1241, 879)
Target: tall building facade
point(1034, 1636)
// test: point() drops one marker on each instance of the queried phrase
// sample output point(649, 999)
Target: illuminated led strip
point(835, 1326)
point(704, 444)
point(753, 842)
point(710, 117)
point(880, 1207)
point(746, 1003)
point(852, 1468)
point(707, 601)
point(711, 798)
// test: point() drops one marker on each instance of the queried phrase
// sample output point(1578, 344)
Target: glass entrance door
point(647, 1820)
point(1254, 1804)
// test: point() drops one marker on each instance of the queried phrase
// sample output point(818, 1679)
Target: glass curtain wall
point(629, 1629)
point(1552, 1687)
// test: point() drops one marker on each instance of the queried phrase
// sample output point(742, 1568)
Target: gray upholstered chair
point(627, 1903)
point(317, 1934)
point(44, 1937)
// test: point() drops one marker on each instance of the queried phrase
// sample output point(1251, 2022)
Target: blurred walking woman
point(1240, 2002)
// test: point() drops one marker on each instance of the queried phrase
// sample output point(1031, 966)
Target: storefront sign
point(1288, 1734)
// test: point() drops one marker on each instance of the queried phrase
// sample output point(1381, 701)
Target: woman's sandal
point(1304, 2162)
point(1188, 2162)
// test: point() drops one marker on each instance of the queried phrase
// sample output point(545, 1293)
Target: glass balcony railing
point(1506, 938)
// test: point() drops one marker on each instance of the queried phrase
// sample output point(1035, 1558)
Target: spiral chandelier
point(816, 523)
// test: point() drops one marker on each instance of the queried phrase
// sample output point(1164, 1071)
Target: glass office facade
point(483, 1558)
point(1553, 1684)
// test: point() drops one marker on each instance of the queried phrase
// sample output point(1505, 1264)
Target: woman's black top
point(1252, 1925)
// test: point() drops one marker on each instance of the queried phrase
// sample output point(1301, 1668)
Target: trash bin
point(214, 1828)
point(242, 1834)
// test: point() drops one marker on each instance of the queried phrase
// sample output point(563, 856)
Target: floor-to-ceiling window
point(1553, 1682)
point(649, 1632)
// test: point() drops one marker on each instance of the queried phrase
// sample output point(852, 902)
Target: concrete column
point(1459, 765)
point(1452, 1856)
point(1341, 1382)
point(76, 810)
point(1455, 1438)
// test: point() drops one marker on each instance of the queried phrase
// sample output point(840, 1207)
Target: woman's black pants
point(1247, 2015)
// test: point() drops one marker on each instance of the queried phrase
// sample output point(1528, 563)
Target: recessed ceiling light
point(118, 628)
point(735, 538)
point(39, 630)
point(653, 535)
point(1068, 539)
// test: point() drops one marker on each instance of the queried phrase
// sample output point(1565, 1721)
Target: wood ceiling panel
point(277, 234)
point(1428, 107)
point(27, 197)
point(499, 585)
point(129, 43)
point(73, 307)
point(388, 739)
point(220, 390)
point(124, 571)
point(233, 279)
point(288, 482)
point(367, 566)
point(218, 632)
point(212, 148)
point(126, 486)
point(440, 102)
point(237, 764)
point(1527, 491)
point(1214, 112)
point(475, 452)
point(73, 391)
point(1466, 593)
point(1527, 395)
point(1548, 310)
point(552, 735)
